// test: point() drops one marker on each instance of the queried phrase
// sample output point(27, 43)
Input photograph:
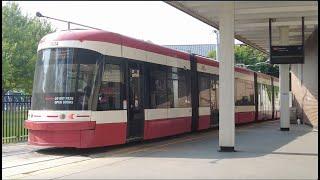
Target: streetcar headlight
point(72, 116)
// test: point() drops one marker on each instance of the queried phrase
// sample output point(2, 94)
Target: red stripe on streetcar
point(204, 122)
point(166, 127)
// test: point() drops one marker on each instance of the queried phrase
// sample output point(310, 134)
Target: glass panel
point(64, 79)
point(276, 98)
point(204, 91)
point(250, 92)
point(260, 97)
point(178, 88)
point(244, 92)
point(86, 78)
point(213, 94)
point(135, 93)
point(172, 86)
point(217, 89)
point(158, 87)
point(184, 89)
point(269, 97)
point(110, 89)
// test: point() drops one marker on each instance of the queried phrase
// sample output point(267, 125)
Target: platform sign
point(293, 54)
point(287, 54)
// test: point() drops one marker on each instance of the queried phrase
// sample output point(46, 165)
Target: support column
point(226, 78)
point(284, 84)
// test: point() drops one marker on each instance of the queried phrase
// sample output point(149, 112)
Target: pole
point(226, 78)
point(69, 22)
point(284, 83)
point(217, 43)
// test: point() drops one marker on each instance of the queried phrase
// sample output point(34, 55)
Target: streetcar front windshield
point(65, 79)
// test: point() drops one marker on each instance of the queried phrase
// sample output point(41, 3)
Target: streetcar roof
point(115, 38)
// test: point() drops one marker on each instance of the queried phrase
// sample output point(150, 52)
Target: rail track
point(39, 159)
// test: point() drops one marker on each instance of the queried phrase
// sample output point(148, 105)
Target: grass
point(13, 126)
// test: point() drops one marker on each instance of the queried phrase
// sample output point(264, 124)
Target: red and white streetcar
point(96, 88)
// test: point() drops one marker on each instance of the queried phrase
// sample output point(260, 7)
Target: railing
point(14, 113)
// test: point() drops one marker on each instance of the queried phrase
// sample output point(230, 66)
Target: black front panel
point(135, 101)
point(194, 93)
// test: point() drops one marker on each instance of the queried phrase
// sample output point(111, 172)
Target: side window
point(244, 92)
point(158, 87)
point(269, 96)
point(217, 89)
point(213, 95)
point(109, 97)
point(239, 91)
point(184, 92)
point(172, 85)
point(178, 88)
point(250, 91)
point(276, 98)
point(204, 91)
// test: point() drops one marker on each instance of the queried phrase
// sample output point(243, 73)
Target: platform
point(263, 152)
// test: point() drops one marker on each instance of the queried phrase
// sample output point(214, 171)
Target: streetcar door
point(135, 102)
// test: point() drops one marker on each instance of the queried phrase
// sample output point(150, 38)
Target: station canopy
point(252, 19)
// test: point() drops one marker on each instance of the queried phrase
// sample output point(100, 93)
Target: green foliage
point(212, 54)
point(252, 57)
point(20, 37)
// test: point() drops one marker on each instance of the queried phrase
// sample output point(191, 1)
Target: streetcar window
point(244, 92)
point(158, 87)
point(265, 97)
point(268, 89)
point(109, 97)
point(172, 85)
point(214, 92)
point(204, 91)
point(276, 98)
point(217, 91)
point(184, 92)
point(64, 79)
point(178, 88)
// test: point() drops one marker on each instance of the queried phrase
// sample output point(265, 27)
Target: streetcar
point(94, 88)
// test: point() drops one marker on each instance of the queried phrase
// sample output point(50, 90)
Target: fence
point(14, 113)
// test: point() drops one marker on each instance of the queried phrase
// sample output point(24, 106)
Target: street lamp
point(38, 14)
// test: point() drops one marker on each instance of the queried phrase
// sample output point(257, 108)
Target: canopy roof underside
point(252, 19)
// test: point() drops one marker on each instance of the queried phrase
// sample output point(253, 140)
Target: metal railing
point(14, 113)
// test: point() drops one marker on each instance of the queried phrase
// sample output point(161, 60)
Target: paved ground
point(264, 152)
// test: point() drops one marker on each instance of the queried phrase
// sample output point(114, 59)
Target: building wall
point(304, 79)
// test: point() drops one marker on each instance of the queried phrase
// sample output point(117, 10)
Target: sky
point(155, 21)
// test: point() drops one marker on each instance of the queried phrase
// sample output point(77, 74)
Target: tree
point(20, 37)
point(254, 58)
point(212, 54)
